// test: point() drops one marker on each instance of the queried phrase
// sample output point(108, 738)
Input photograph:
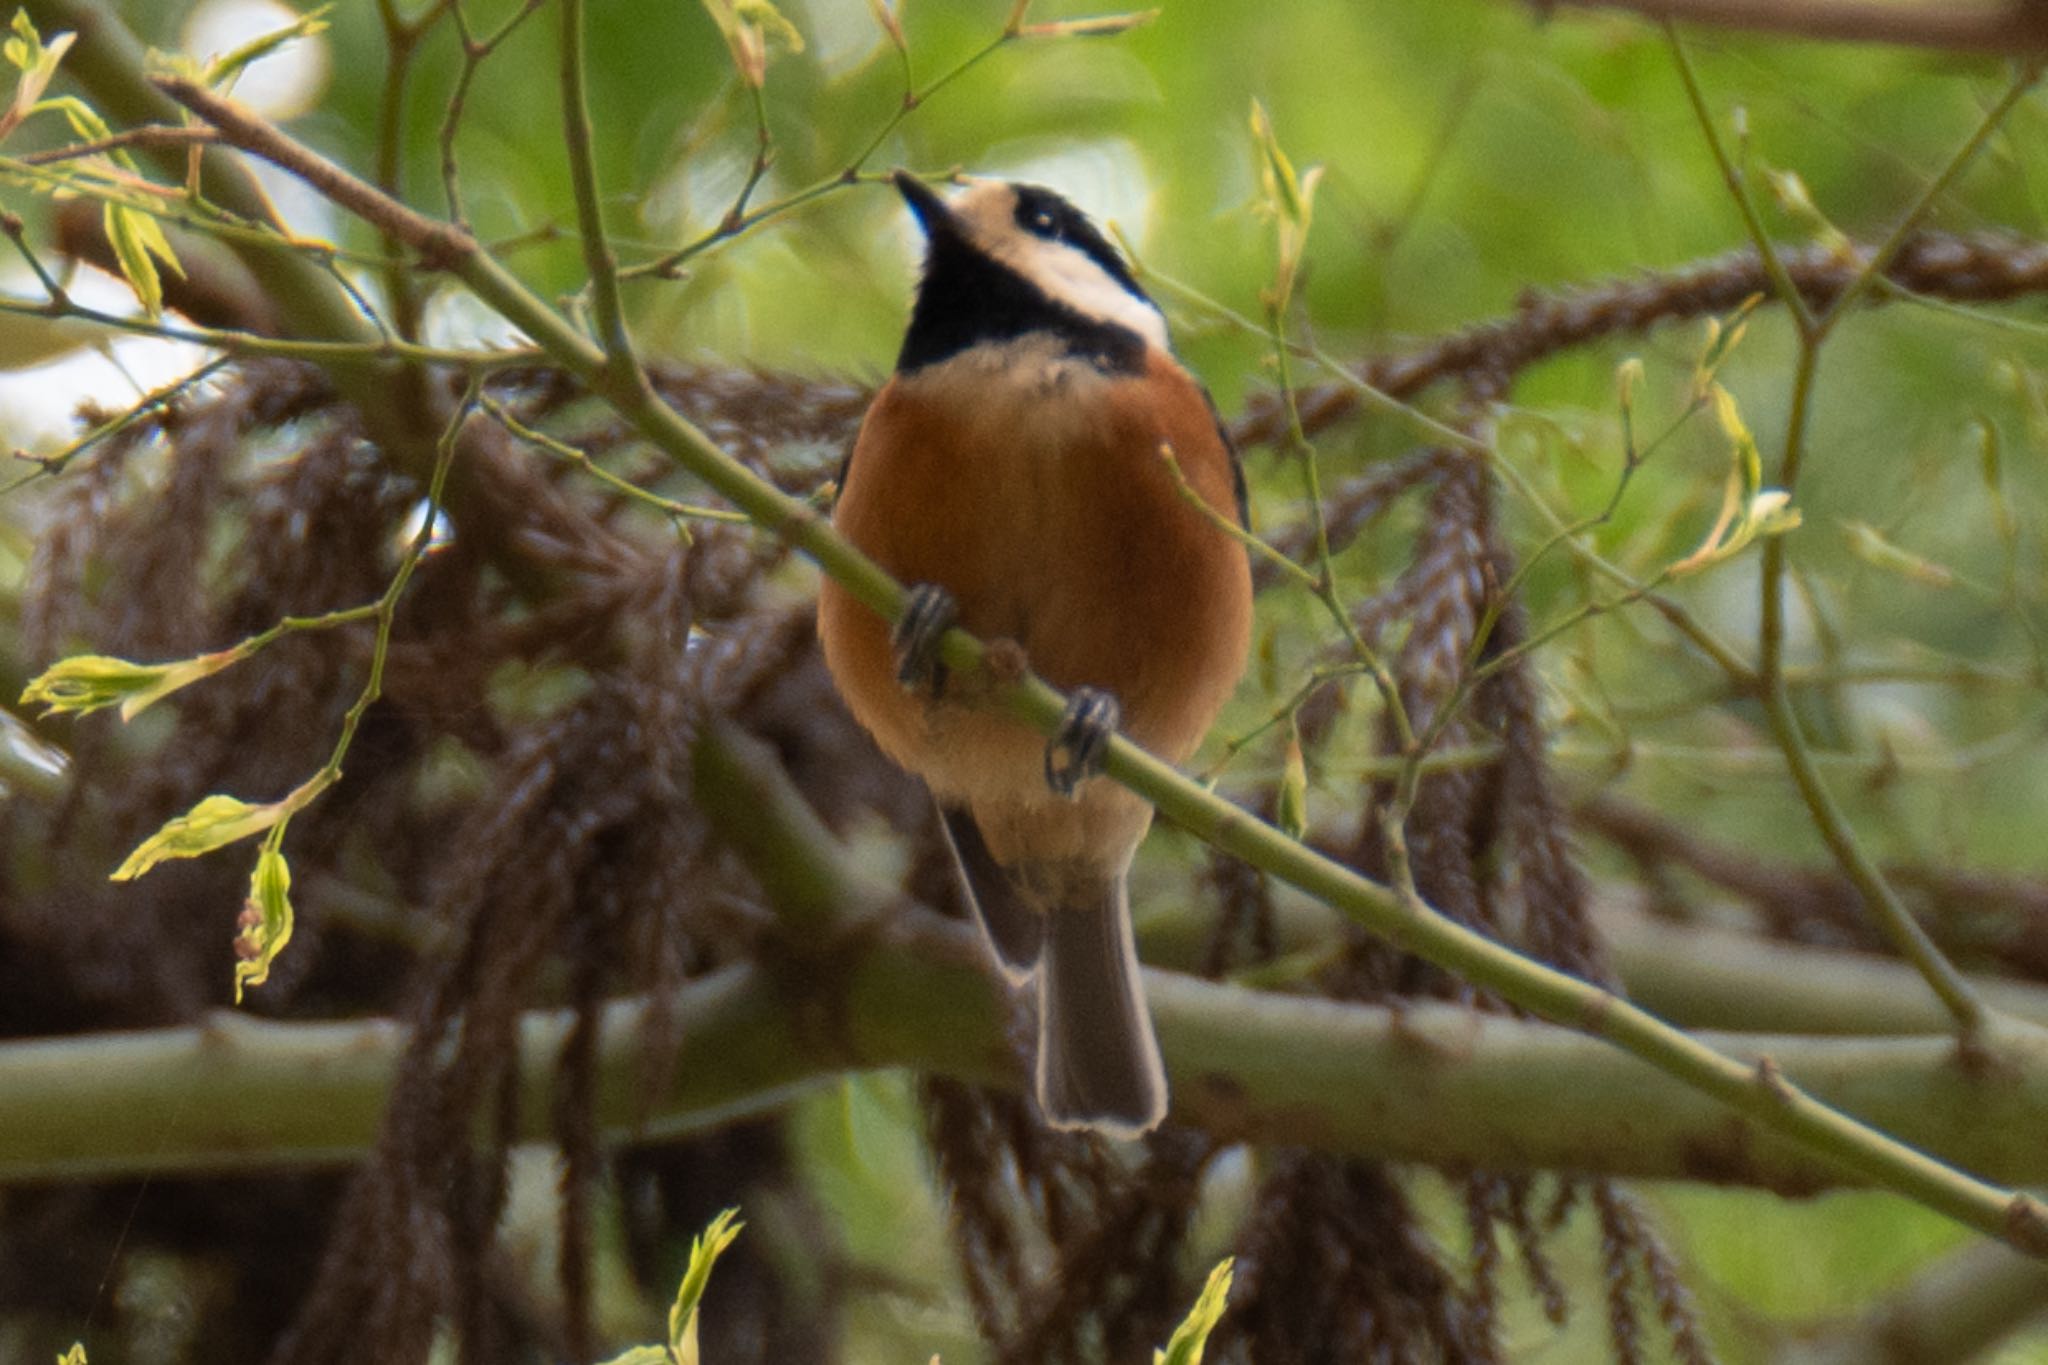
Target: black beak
point(932, 214)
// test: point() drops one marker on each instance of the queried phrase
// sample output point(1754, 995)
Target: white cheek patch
point(1069, 275)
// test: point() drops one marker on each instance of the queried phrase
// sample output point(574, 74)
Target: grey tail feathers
point(1098, 1062)
point(1014, 924)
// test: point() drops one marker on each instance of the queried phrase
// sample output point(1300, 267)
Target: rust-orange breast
point(1035, 490)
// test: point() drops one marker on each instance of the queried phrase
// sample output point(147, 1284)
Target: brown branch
point(149, 135)
point(439, 244)
point(1820, 904)
point(1971, 267)
point(2017, 26)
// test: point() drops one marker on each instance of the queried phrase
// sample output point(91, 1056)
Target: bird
point(1041, 469)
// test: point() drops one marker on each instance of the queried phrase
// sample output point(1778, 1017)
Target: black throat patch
point(966, 299)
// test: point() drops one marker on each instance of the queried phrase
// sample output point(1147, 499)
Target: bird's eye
point(1043, 222)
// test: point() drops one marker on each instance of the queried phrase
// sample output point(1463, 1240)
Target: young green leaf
point(1749, 464)
point(1723, 336)
point(1095, 26)
point(1626, 377)
point(265, 925)
point(1189, 1339)
point(1991, 464)
point(231, 64)
point(1868, 544)
point(74, 1356)
point(1792, 195)
point(1768, 513)
point(139, 243)
point(1276, 173)
point(1749, 511)
point(88, 682)
point(1289, 199)
point(37, 63)
point(1292, 815)
point(750, 29)
point(215, 822)
point(704, 1253)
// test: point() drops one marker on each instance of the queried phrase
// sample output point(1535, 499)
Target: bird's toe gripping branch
point(1076, 749)
point(929, 611)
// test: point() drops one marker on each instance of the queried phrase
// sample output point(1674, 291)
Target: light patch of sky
point(278, 85)
point(38, 405)
point(694, 194)
point(454, 317)
point(838, 34)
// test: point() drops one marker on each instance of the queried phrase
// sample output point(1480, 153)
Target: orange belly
point(1035, 492)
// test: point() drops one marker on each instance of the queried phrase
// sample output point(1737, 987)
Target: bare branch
point(149, 135)
point(2014, 27)
point(439, 244)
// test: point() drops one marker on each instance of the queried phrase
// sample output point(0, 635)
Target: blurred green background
point(1471, 153)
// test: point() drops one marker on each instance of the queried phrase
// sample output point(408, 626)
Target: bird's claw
point(929, 611)
point(1076, 749)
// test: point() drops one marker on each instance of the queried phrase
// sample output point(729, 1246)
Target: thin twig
point(149, 135)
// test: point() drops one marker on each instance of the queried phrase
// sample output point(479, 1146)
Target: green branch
point(597, 253)
point(1429, 1083)
point(1758, 1091)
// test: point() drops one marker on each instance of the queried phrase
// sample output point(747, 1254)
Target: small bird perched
point(1016, 470)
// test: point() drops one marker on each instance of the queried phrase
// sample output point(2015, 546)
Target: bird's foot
point(929, 611)
point(1076, 749)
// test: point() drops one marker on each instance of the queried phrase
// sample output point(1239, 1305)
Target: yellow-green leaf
point(1722, 339)
point(642, 1355)
point(1991, 464)
point(751, 28)
point(232, 63)
point(1793, 197)
point(1276, 172)
point(704, 1253)
point(139, 243)
point(1868, 544)
point(1747, 461)
point(1191, 1338)
point(215, 822)
point(1289, 199)
point(1095, 26)
point(1768, 513)
point(1626, 377)
point(87, 682)
point(74, 1356)
point(38, 65)
point(266, 920)
point(1292, 813)
point(1789, 187)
